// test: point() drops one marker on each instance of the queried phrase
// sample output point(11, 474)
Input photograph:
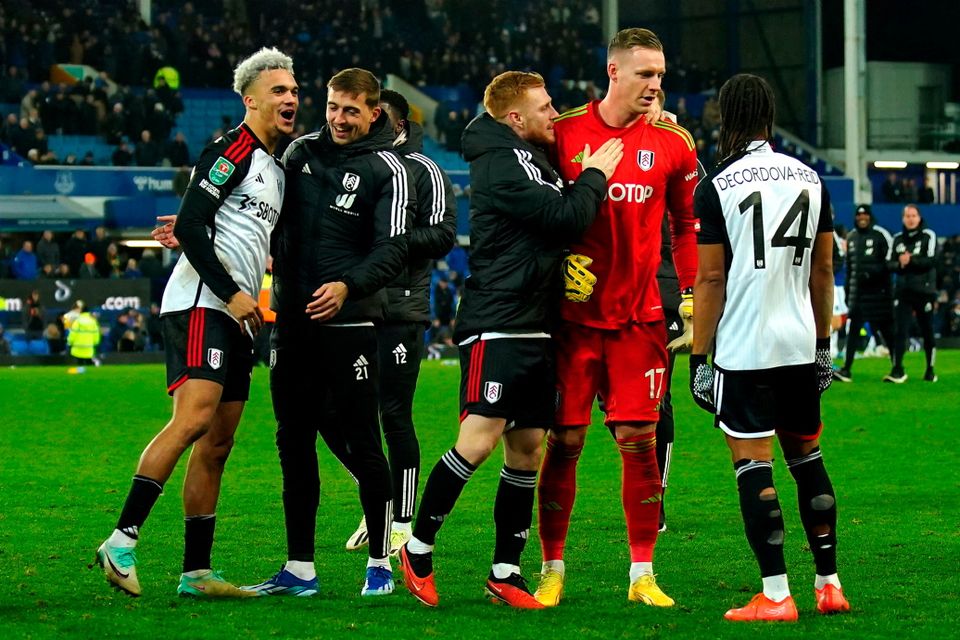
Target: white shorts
point(839, 302)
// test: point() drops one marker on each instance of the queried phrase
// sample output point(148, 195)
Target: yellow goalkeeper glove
point(686, 315)
point(577, 280)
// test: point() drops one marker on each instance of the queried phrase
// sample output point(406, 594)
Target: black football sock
point(198, 541)
point(818, 509)
point(143, 495)
point(762, 517)
point(513, 514)
point(446, 482)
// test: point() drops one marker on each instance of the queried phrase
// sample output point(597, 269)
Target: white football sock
point(556, 565)
point(502, 570)
point(638, 569)
point(822, 581)
point(120, 539)
point(302, 570)
point(415, 546)
point(406, 527)
point(380, 562)
point(776, 588)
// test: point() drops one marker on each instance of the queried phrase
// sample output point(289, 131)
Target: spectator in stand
point(926, 195)
point(8, 132)
point(98, 245)
point(88, 270)
point(110, 268)
point(22, 138)
point(114, 124)
point(53, 334)
point(11, 85)
point(150, 266)
point(4, 343)
point(121, 155)
point(160, 122)
point(452, 130)
point(25, 264)
point(74, 250)
point(6, 257)
point(132, 271)
point(177, 152)
point(87, 160)
point(892, 188)
point(33, 316)
point(146, 153)
point(155, 328)
point(48, 251)
point(910, 193)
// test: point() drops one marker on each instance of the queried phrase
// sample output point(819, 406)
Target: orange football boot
point(512, 591)
point(763, 609)
point(830, 600)
point(423, 589)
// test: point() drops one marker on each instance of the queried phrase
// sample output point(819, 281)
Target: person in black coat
point(914, 262)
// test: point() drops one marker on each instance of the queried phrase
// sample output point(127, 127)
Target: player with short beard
point(522, 218)
point(210, 316)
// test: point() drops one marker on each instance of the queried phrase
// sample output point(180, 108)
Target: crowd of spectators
point(897, 189)
point(76, 256)
point(430, 42)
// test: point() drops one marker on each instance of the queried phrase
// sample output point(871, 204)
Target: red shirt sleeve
point(683, 224)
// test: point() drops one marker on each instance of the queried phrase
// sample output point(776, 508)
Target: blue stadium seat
point(39, 347)
point(19, 346)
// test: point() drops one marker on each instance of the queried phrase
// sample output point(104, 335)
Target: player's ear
point(612, 70)
point(376, 114)
point(250, 102)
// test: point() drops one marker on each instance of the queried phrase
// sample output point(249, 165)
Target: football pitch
point(70, 443)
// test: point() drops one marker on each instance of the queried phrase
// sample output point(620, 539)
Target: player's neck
point(267, 136)
point(613, 113)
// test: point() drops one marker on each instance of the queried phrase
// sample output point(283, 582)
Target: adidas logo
point(400, 354)
point(653, 499)
point(674, 326)
point(523, 535)
point(360, 368)
point(577, 159)
point(259, 178)
point(306, 170)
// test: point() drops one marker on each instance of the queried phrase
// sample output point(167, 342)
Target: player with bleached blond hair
point(210, 315)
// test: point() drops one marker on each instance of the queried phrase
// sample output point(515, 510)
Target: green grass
point(70, 443)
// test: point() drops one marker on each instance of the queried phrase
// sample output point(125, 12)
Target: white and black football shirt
point(235, 191)
point(766, 208)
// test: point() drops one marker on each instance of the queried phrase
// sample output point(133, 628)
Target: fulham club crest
point(492, 391)
point(215, 358)
point(645, 159)
point(351, 181)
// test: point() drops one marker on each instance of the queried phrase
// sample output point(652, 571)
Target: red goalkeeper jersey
point(658, 172)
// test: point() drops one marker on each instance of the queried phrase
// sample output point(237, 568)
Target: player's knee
point(822, 502)
point(768, 494)
point(571, 438)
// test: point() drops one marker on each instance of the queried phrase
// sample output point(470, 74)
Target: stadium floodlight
point(142, 244)
point(890, 164)
point(943, 165)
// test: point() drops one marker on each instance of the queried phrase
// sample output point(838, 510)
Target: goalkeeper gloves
point(577, 280)
point(701, 383)
point(824, 364)
point(686, 315)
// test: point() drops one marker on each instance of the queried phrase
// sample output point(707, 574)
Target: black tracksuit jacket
point(919, 277)
point(431, 237)
point(522, 217)
point(868, 289)
point(346, 217)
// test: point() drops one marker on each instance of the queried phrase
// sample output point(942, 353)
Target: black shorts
point(207, 344)
point(510, 378)
point(762, 403)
